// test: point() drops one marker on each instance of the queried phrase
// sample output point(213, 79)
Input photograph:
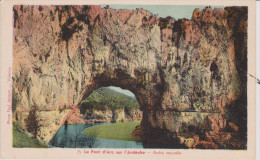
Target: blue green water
point(73, 137)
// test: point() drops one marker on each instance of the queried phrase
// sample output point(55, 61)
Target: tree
point(15, 100)
point(32, 123)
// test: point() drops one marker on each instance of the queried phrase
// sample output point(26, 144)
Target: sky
point(124, 91)
point(175, 11)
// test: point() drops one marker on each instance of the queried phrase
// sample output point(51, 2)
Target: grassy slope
point(117, 131)
point(22, 140)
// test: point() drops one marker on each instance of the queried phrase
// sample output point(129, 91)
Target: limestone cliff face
point(183, 73)
point(118, 115)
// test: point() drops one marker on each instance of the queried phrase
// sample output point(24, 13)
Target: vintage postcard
point(128, 80)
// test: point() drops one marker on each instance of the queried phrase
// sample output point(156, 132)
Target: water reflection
point(73, 137)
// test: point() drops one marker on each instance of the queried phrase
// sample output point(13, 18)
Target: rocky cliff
point(184, 73)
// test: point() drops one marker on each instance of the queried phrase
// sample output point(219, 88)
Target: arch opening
point(106, 118)
point(110, 104)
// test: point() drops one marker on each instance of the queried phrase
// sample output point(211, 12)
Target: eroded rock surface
point(184, 73)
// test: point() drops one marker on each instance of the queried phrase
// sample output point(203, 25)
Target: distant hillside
point(105, 98)
point(112, 92)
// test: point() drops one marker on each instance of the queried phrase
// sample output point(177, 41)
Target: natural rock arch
point(62, 53)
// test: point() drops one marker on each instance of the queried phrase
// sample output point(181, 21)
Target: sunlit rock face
point(184, 73)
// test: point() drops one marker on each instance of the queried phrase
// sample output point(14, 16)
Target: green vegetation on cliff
point(117, 131)
point(105, 98)
point(21, 139)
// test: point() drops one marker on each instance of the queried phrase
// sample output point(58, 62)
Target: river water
point(73, 137)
